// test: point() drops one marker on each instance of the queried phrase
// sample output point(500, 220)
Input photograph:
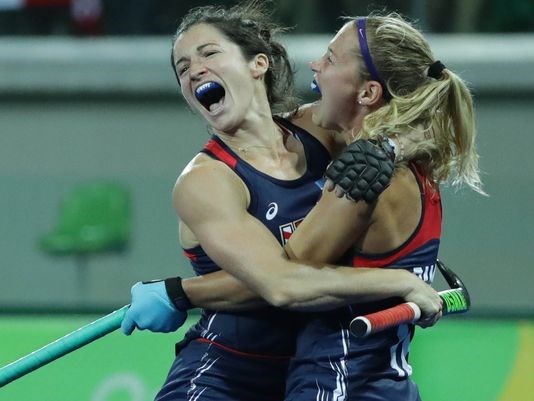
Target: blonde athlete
point(235, 200)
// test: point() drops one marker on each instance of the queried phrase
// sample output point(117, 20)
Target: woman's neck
point(260, 134)
point(351, 131)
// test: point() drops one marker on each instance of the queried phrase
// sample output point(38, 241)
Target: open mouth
point(210, 95)
point(315, 87)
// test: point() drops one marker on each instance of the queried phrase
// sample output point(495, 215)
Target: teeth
point(205, 87)
point(209, 93)
point(314, 87)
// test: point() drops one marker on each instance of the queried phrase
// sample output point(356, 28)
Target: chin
point(225, 124)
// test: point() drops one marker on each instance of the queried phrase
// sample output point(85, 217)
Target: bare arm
point(331, 227)
point(243, 247)
point(221, 291)
point(344, 222)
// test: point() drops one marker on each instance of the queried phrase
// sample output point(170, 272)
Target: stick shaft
point(454, 301)
point(62, 346)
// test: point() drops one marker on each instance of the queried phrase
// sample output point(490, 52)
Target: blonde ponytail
point(442, 107)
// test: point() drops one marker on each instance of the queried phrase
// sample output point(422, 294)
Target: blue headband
point(364, 48)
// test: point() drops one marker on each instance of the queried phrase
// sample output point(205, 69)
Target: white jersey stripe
point(393, 360)
point(206, 332)
point(192, 394)
point(405, 349)
point(339, 368)
point(399, 351)
point(195, 396)
point(393, 352)
point(321, 394)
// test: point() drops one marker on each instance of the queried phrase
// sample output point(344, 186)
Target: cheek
point(188, 97)
point(338, 103)
point(343, 94)
point(338, 86)
point(338, 97)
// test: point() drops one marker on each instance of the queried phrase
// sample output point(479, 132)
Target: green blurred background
point(88, 102)
point(462, 359)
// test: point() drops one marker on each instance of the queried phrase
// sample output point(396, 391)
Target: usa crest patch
point(286, 230)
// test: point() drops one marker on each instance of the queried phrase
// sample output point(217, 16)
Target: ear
point(259, 65)
point(371, 94)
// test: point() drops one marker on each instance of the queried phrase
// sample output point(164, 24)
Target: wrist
point(391, 147)
point(176, 293)
point(396, 148)
point(406, 282)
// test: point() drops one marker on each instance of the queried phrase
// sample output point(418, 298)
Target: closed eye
point(330, 56)
point(182, 69)
point(210, 53)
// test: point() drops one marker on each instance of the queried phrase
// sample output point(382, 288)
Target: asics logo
point(272, 211)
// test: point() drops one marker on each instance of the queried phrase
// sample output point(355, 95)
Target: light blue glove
point(151, 309)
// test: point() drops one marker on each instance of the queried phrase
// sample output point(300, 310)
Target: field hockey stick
point(62, 346)
point(455, 300)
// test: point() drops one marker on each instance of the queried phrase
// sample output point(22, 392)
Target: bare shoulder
point(206, 185)
point(404, 184)
point(302, 118)
point(203, 170)
point(396, 215)
point(402, 192)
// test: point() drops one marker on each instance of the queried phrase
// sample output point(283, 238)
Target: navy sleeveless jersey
point(280, 205)
point(348, 362)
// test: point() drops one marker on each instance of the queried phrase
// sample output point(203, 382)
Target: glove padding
point(151, 309)
point(362, 171)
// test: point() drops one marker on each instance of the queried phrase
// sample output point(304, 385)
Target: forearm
point(260, 262)
point(221, 291)
point(261, 267)
point(297, 286)
point(328, 287)
point(303, 287)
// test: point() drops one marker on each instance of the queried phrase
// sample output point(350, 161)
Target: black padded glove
point(363, 170)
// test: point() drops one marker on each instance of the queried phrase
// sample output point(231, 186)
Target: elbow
point(279, 299)
point(281, 296)
point(285, 288)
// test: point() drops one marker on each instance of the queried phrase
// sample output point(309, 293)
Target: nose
point(314, 66)
point(197, 69)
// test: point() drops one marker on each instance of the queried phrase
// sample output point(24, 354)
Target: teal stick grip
point(62, 346)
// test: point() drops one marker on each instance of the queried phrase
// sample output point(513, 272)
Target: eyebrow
point(199, 48)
